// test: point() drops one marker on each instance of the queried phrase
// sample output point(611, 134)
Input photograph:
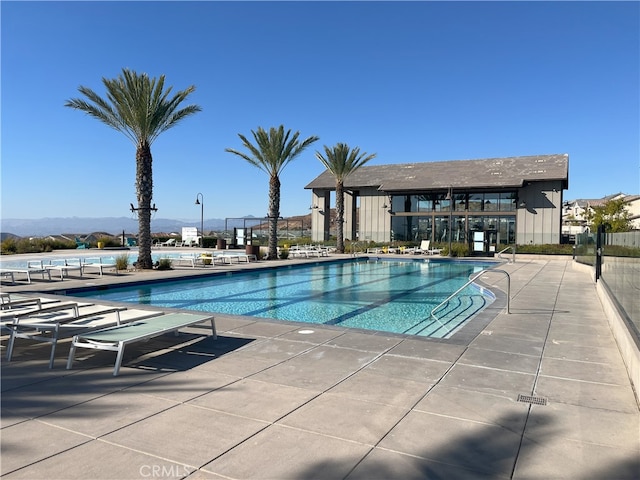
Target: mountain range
point(83, 225)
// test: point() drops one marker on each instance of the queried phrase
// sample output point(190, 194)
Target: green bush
point(621, 251)
point(546, 249)
point(164, 264)
point(122, 262)
point(457, 250)
point(34, 245)
point(109, 241)
point(284, 254)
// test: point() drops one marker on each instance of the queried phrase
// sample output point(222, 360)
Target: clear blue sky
point(412, 82)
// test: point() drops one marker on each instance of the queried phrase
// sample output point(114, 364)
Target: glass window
point(459, 234)
point(403, 203)
point(491, 202)
point(440, 202)
point(460, 204)
point(441, 229)
point(475, 202)
point(507, 201)
point(424, 203)
point(425, 228)
point(507, 230)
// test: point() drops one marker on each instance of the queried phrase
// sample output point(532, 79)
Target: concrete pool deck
point(270, 400)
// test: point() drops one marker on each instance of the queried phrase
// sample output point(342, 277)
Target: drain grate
point(531, 399)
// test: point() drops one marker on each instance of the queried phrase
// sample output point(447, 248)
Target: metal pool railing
point(454, 294)
point(513, 253)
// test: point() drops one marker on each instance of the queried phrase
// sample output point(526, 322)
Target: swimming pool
point(394, 296)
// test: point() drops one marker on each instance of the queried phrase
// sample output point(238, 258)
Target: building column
point(320, 215)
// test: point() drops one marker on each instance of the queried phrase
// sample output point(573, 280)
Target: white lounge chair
point(115, 339)
point(169, 243)
point(65, 266)
point(49, 325)
point(99, 264)
point(11, 315)
point(33, 266)
point(423, 249)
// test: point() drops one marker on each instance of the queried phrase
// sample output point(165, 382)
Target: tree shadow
point(480, 455)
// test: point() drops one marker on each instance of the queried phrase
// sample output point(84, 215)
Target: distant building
point(487, 203)
point(576, 212)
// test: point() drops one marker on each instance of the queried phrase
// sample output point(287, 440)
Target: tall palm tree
point(273, 151)
point(141, 108)
point(342, 161)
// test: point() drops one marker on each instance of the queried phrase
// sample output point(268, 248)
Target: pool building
point(486, 203)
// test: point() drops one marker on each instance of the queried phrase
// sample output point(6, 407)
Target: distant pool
point(394, 296)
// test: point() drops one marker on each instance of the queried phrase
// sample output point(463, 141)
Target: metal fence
point(616, 258)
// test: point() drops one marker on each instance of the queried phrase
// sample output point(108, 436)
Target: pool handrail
point(513, 253)
point(483, 272)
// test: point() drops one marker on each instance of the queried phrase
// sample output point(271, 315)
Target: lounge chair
point(33, 266)
point(169, 243)
point(99, 264)
point(50, 324)
point(192, 259)
point(423, 249)
point(12, 301)
point(81, 244)
point(65, 266)
point(11, 315)
point(131, 242)
point(115, 339)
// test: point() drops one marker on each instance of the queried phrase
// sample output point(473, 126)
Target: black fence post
point(599, 238)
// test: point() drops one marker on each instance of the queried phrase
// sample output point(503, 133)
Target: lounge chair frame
point(115, 339)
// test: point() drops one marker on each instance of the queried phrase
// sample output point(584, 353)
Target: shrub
point(164, 264)
point(546, 249)
point(457, 250)
point(9, 246)
point(34, 245)
point(284, 254)
point(109, 241)
point(122, 262)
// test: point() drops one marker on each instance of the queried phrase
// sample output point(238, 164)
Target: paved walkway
point(268, 401)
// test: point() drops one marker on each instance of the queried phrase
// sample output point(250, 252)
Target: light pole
point(200, 201)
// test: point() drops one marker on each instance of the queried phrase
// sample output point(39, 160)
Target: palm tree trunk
point(274, 215)
point(144, 188)
point(339, 216)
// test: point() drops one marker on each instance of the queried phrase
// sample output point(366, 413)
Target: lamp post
point(200, 201)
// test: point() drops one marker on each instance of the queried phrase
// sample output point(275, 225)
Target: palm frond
point(341, 160)
point(136, 105)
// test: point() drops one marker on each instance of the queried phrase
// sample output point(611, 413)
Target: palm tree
point(141, 108)
point(272, 152)
point(342, 161)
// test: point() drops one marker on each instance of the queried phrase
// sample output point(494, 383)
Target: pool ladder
point(356, 249)
point(484, 272)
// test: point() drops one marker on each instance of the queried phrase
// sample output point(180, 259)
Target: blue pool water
point(373, 294)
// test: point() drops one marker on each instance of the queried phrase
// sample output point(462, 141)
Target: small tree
point(612, 214)
point(272, 152)
point(342, 161)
